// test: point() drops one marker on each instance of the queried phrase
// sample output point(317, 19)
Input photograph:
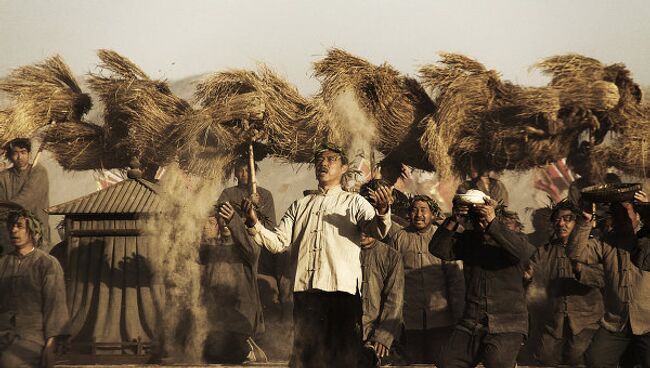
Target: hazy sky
point(176, 39)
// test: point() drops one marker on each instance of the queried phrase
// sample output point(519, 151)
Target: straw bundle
point(483, 123)
point(608, 92)
point(464, 90)
point(253, 105)
point(81, 146)
point(142, 116)
point(40, 94)
point(629, 148)
point(392, 104)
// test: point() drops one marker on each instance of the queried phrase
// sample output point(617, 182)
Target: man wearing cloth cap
point(495, 320)
point(322, 231)
point(434, 292)
point(33, 309)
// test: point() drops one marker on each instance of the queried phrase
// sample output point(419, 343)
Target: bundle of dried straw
point(39, 95)
point(82, 146)
point(387, 103)
point(142, 117)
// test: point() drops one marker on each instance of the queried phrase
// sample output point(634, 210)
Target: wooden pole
point(251, 171)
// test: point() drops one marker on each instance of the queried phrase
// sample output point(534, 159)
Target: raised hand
point(248, 208)
point(486, 212)
point(382, 198)
point(226, 212)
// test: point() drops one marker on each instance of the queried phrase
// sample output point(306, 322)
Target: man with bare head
point(33, 309)
point(576, 304)
point(26, 184)
point(322, 231)
point(434, 291)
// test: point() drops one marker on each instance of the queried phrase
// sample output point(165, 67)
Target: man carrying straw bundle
point(322, 230)
point(26, 184)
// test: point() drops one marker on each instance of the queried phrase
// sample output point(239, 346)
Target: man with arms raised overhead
point(495, 320)
point(322, 230)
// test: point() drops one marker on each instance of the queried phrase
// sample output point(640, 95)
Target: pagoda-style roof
point(126, 197)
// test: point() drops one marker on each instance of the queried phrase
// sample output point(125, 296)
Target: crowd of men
point(358, 286)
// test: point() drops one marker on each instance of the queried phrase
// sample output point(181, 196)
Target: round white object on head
point(472, 196)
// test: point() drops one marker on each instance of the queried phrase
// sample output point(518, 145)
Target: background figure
point(26, 185)
point(33, 310)
point(575, 305)
point(434, 290)
point(495, 320)
point(625, 326)
point(382, 297)
point(273, 276)
point(230, 289)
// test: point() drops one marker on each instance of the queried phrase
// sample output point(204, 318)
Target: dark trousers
point(425, 346)
point(607, 348)
point(467, 349)
point(327, 330)
point(569, 349)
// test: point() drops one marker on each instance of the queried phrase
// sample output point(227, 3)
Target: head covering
point(433, 205)
point(326, 146)
point(34, 226)
point(564, 204)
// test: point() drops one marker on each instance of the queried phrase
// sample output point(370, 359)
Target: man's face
point(211, 228)
point(366, 240)
point(19, 157)
point(329, 168)
point(241, 173)
point(20, 237)
point(420, 215)
point(563, 223)
point(624, 217)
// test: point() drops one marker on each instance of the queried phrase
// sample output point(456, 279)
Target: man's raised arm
point(277, 240)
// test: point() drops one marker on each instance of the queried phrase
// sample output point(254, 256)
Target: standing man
point(273, 265)
point(322, 230)
point(495, 320)
point(434, 292)
point(626, 295)
point(232, 292)
point(33, 309)
point(576, 304)
point(482, 181)
point(26, 185)
point(382, 295)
